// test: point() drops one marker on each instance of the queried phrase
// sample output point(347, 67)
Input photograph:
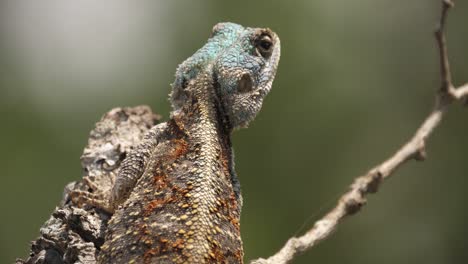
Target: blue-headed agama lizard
point(176, 198)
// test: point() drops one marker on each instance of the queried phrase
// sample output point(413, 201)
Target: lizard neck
point(203, 118)
point(211, 172)
point(205, 122)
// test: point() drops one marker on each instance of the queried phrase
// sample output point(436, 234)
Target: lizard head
point(242, 63)
point(244, 73)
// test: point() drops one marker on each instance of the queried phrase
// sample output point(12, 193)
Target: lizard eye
point(264, 45)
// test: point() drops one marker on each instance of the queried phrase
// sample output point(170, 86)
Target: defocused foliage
point(355, 80)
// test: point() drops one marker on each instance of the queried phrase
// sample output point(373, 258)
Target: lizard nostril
point(245, 83)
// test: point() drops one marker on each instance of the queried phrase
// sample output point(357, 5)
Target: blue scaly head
point(242, 62)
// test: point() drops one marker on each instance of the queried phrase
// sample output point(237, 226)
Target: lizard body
point(176, 197)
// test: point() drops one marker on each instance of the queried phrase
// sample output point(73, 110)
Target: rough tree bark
point(72, 234)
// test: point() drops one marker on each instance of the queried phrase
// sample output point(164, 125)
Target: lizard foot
point(94, 196)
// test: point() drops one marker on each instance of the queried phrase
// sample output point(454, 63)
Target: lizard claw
point(94, 197)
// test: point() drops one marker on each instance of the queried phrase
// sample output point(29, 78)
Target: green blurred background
point(355, 80)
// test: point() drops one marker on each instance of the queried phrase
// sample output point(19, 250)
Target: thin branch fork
point(353, 200)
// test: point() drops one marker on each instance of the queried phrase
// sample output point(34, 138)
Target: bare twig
point(352, 201)
point(441, 42)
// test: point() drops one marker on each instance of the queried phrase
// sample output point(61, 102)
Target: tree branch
point(73, 234)
point(353, 200)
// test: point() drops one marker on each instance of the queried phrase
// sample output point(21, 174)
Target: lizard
point(176, 198)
